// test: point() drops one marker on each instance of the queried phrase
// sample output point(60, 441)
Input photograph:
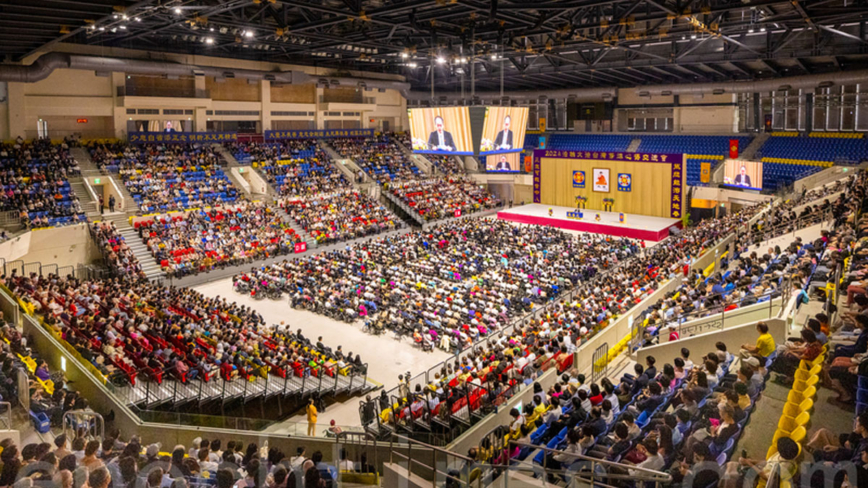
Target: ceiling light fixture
point(123, 27)
point(405, 55)
point(101, 28)
point(762, 29)
point(248, 34)
point(693, 36)
point(750, 31)
point(115, 16)
point(440, 60)
point(211, 29)
point(138, 19)
point(412, 65)
point(209, 41)
point(125, 17)
point(177, 10)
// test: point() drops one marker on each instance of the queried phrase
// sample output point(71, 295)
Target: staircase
point(150, 266)
point(634, 145)
point(750, 151)
point(401, 209)
point(81, 156)
point(347, 166)
point(231, 162)
point(85, 198)
point(419, 160)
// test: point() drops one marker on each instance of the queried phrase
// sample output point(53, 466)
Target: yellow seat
point(803, 373)
point(790, 424)
point(802, 385)
point(794, 409)
point(799, 434)
point(800, 396)
point(773, 449)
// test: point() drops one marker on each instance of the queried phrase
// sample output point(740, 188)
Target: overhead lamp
point(405, 55)
point(211, 29)
point(177, 10)
point(115, 16)
point(248, 34)
point(762, 29)
point(750, 31)
point(209, 40)
point(123, 27)
point(440, 60)
point(412, 65)
point(101, 28)
point(138, 19)
point(693, 36)
point(125, 17)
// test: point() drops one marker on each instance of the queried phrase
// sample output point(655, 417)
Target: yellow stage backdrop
point(655, 185)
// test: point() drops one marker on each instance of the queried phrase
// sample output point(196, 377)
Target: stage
point(636, 226)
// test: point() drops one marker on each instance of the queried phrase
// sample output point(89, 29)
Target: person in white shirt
point(205, 463)
point(296, 461)
point(345, 464)
point(653, 459)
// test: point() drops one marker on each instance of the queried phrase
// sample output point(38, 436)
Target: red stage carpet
point(635, 226)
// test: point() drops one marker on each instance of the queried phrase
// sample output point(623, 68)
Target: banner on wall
point(733, 148)
point(675, 162)
point(317, 134)
point(705, 172)
point(625, 182)
point(181, 137)
point(601, 180)
point(578, 179)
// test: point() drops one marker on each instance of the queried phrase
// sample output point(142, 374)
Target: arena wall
point(64, 246)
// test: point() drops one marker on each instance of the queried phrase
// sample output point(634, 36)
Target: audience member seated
point(118, 254)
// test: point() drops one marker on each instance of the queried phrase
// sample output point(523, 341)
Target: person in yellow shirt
point(765, 343)
point(311, 418)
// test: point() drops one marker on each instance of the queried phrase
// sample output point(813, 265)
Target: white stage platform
point(634, 226)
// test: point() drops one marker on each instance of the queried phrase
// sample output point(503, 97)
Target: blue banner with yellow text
point(180, 137)
point(317, 134)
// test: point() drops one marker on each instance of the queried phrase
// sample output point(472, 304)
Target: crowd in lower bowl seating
point(380, 157)
point(203, 240)
point(33, 182)
point(118, 255)
point(458, 281)
point(169, 177)
point(440, 197)
point(124, 329)
point(340, 215)
point(683, 418)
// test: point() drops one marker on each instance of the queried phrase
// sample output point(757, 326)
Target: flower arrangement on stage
point(581, 201)
point(419, 144)
point(486, 145)
point(608, 203)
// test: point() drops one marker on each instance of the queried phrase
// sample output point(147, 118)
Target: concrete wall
point(702, 344)
point(69, 95)
point(724, 195)
point(63, 246)
point(728, 320)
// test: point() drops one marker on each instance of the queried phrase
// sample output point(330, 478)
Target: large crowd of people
point(34, 182)
point(126, 328)
point(168, 177)
point(435, 198)
point(381, 157)
point(202, 240)
point(296, 167)
point(340, 215)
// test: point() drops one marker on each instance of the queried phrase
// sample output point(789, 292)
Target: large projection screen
point(443, 130)
point(504, 129)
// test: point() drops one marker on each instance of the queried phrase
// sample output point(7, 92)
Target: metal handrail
point(6, 415)
point(652, 475)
